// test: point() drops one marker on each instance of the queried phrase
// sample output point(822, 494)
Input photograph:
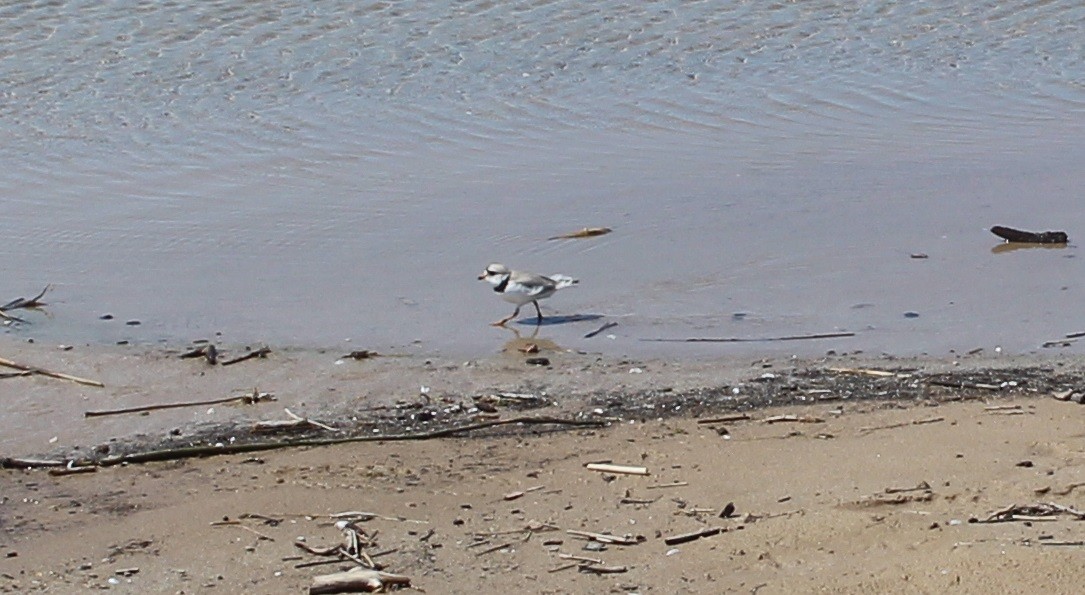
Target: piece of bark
point(1030, 237)
point(357, 580)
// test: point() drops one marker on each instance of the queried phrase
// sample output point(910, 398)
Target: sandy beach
point(843, 474)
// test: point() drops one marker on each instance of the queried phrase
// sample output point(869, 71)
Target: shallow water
point(303, 174)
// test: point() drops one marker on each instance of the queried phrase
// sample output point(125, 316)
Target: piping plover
point(520, 287)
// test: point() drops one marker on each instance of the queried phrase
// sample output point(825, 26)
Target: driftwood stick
point(71, 469)
point(17, 463)
point(249, 399)
point(725, 419)
point(961, 384)
point(35, 370)
point(357, 580)
point(802, 419)
point(867, 372)
point(622, 469)
point(262, 352)
point(596, 569)
point(211, 450)
point(692, 536)
point(753, 340)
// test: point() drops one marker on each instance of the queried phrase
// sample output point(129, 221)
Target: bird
point(521, 287)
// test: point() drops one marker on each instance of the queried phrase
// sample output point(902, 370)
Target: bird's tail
point(564, 281)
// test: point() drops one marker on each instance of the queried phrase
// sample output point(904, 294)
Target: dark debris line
point(795, 387)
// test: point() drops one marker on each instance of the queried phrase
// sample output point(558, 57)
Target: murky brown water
point(300, 174)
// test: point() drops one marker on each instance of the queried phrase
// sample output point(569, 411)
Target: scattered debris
point(1030, 513)
point(608, 538)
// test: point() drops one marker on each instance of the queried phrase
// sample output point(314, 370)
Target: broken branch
point(251, 399)
point(35, 370)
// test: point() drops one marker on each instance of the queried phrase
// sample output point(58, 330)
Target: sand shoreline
point(868, 484)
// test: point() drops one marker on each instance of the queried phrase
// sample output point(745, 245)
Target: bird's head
point(495, 274)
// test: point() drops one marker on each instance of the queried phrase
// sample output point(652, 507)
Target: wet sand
point(873, 485)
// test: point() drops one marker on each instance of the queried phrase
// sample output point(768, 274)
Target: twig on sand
point(620, 469)
point(692, 536)
point(802, 419)
point(752, 339)
point(35, 370)
point(295, 421)
point(869, 372)
point(262, 352)
point(607, 538)
point(903, 424)
point(249, 399)
point(241, 526)
point(725, 419)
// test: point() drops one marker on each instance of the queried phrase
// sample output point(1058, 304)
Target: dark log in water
point(1028, 237)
